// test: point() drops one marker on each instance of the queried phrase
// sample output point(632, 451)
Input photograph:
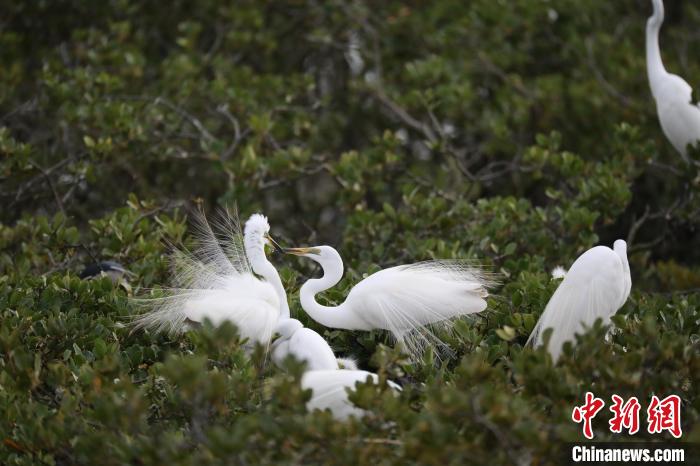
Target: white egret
point(329, 384)
point(304, 344)
point(678, 114)
point(329, 390)
point(596, 286)
point(402, 299)
point(218, 282)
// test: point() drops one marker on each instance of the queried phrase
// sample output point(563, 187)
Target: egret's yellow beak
point(302, 251)
point(274, 243)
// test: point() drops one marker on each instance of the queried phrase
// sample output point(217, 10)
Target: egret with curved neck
point(329, 316)
point(403, 299)
point(679, 116)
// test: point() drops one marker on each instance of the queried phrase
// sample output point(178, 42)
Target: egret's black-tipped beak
point(275, 245)
point(302, 251)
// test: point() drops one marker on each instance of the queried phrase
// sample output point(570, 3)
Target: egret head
point(287, 327)
point(324, 255)
point(658, 16)
point(620, 246)
point(256, 234)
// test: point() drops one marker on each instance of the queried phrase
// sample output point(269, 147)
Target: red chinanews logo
point(662, 415)
point(625, 415)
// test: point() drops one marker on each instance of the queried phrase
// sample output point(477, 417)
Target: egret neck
point(255, 250)
point(655, 67)
point(334, 317)
point(620, 248)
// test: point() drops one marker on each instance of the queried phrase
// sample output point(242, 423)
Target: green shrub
point(517, 136)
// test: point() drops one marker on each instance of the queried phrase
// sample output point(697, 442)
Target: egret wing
point(330, 390)
point(678, 116)
point(681, 124)
point(213, 282)
point(408, 298)
point(593, 288)
point(255, 315)
point(307, 345)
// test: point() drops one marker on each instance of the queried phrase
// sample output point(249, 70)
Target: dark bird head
point(113, 270)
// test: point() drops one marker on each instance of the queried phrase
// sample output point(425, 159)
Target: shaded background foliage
point(517, 134)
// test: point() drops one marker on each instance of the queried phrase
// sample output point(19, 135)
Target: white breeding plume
point(403, 299)
point(679, 116)
point(227, 278)
point(596, 286)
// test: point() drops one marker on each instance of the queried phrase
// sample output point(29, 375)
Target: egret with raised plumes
point(403, 300)
point(227, 278)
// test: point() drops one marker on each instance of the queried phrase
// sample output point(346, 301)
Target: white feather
point(404, 300)
point(305, 345)
point(407, 298)
point(678, 116)
point(596, 286)
point(214, 282)
point(347, 363)
point(329, 390)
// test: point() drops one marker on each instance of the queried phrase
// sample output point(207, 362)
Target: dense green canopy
point(515, 133)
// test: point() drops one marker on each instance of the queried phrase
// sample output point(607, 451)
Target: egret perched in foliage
point(402, 299)
point(330, 390)
point(679, 114)
point(304, 344)
point(227, 278)
point(329, 384)
point(596, 286)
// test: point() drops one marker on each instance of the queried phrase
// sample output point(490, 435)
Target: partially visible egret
point(304, 344)
point(329, 384)
point(402, 299)
point(678, 114)
point(596, 286)
point(330, 390)
point(218, 282)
